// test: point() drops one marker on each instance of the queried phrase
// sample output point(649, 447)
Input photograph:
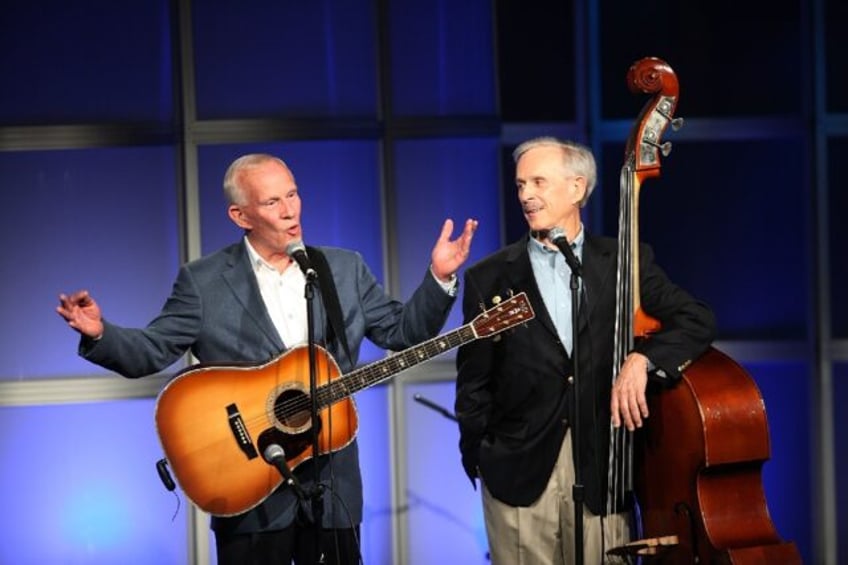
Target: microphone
point(276, 456)
point(297, 251)
point(557, 236)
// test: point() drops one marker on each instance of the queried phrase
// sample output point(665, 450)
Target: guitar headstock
point(503, 316)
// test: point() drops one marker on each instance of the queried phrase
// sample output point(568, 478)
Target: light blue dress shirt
point(553, 275)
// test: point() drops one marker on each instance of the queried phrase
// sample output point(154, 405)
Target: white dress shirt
point(284, 295)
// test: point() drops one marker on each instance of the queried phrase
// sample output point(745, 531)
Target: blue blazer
point(216, 312)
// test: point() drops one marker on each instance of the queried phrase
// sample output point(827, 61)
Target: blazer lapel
point(598, 269)
point(243, 283)
point(521, 277)
point(598, 272)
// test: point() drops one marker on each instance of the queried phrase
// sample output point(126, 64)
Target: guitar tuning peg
point(676, 123)
point(665, 148)
point(496, 300)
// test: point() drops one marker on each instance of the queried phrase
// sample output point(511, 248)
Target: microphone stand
point(316, 494)
point(433, 406)
point(577, 491)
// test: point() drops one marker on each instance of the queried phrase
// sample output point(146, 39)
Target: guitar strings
point(506, 315)
point(343, 386)
point(337, 389)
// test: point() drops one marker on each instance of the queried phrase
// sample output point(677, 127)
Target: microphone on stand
point(557, 236)
point(297, 251)
point(276, 456)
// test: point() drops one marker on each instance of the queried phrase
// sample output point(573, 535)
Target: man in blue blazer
point(514, 394)
point(246, 304)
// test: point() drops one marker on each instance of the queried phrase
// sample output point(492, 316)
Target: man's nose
point(286, 209)
point(526, 196)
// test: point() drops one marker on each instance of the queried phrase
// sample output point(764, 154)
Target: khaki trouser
point(543, 533)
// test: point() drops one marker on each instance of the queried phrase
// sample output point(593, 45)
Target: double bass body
point(698, 468)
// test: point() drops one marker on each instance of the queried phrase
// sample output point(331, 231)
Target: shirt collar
point(256, 260)
point(536, 246)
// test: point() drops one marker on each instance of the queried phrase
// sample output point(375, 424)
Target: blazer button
point(570, 379)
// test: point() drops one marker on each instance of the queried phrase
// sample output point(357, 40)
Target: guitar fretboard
point(384, 369)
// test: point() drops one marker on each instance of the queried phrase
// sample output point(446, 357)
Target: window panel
point(537, 68)
point(79, 62)
point(100, 219)
point(80, 486)
point(441, 61)
point(701, 41)
point(838, 235)
point(835, 56)
point(840, 426)
point(266, 59)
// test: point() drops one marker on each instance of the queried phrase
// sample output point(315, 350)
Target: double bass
point(692, 473)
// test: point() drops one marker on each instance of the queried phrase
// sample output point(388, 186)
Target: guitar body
point(215, 421)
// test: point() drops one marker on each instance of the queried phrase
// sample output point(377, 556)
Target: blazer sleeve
point(134, 352)
point(395, 325)
point(688, 325)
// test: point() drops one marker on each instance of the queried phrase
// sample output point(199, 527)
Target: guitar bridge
point(240, 433)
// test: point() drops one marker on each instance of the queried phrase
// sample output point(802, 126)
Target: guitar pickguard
point(293, 445)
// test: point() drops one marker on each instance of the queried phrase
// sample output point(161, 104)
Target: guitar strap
point(331, 298)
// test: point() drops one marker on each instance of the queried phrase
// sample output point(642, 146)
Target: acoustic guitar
point(215, 421)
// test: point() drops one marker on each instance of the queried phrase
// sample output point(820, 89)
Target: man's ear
point(579, 189)
point(237, 216)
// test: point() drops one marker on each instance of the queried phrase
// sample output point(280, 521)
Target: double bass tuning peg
point(665, 148)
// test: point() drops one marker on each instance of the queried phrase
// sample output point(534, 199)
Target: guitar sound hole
point(292, 408)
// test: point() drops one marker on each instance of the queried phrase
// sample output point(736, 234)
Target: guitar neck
point(385, 369)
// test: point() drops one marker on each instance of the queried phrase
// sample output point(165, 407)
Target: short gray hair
point(575, 157)
point(235, 193)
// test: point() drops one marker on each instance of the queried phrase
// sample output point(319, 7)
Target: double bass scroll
point(697, 461)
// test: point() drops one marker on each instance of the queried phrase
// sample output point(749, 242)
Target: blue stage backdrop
point(118, 120)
